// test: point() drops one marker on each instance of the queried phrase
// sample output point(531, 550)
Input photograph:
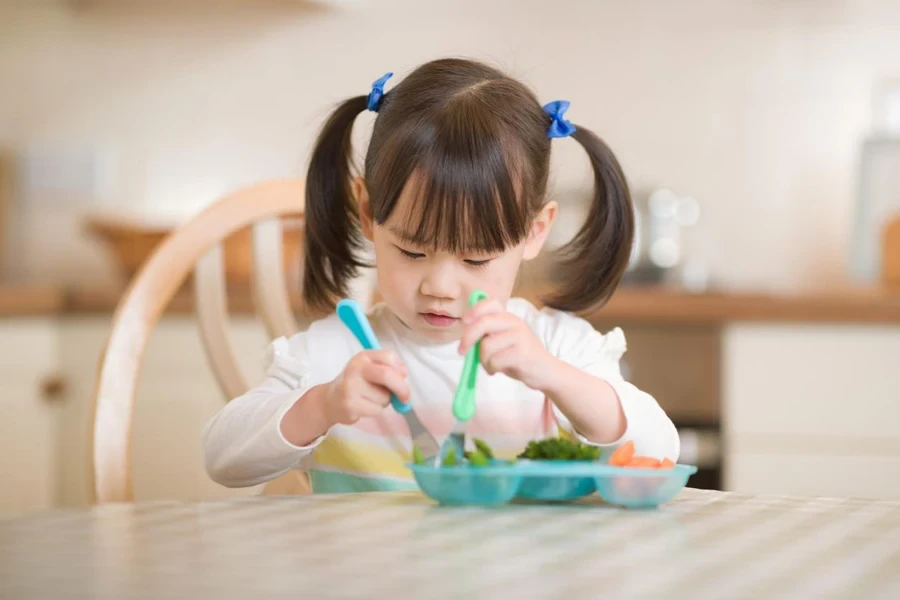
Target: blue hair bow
point(559, 127)
point(377, 93)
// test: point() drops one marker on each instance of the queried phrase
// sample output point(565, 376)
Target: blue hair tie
point(377, 93)
point(559, 127)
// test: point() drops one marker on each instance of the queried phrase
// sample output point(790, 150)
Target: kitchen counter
point(650, 304)
point(22, 300)
point(663, 305)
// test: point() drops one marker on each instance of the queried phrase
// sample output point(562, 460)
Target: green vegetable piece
point(482, 447)
point(450, 459)
point(559, 449)
point(478, 459)
point(418, 457)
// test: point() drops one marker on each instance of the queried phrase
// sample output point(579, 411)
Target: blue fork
point(353, 316)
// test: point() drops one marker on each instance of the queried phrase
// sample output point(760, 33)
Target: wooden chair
point(196, 246)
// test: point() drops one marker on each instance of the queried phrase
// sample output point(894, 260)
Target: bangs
point(455, 187)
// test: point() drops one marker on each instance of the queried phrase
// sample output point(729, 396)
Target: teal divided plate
point(466, 485)
point(642, 488)
point(551, 481)
point(556, 481)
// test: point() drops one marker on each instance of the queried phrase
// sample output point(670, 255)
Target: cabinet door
point(778, 470)
point(82, 339)
point(812, 409)
point(176, 395)
point(28, 355)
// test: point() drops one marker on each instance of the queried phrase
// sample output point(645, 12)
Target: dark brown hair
point(473, 144)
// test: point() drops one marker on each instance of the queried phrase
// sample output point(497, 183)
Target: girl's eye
point(478, 263)
point(412, 255)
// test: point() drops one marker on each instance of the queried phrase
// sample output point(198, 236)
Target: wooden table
point(702, 545)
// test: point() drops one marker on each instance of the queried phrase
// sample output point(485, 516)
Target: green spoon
point(464, 399)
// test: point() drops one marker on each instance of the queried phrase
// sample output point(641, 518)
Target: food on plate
point(483, 448)
point(417, 456)
point(559, 449)
point(480, 457)
point(624, 456)
point(450, 459)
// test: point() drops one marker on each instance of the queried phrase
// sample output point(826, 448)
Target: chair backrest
point(196, 246)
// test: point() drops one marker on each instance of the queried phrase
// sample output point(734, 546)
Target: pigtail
point(334, 239)
point(592, 263)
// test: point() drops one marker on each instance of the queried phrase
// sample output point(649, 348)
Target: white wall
point(755, 108)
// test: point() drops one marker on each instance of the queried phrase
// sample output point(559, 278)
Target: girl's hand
point(364, 387)
point(508, 345)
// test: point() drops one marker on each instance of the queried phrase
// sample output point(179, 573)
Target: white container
point(878, 200)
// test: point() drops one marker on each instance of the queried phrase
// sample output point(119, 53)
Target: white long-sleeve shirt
point(243, 444)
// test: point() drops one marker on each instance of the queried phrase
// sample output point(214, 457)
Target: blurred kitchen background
point(761, 139)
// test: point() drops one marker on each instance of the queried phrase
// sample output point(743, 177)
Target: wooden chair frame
point(193, 247)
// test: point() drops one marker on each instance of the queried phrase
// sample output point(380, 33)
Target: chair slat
point(141, 307)
point(213, 323)
point(270, 290)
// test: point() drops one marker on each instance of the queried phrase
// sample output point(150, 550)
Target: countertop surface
point(703, 544)
point(628, 304)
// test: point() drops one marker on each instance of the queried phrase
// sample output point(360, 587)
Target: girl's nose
point(441, 281)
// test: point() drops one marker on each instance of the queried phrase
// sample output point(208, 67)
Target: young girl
point(452, 200)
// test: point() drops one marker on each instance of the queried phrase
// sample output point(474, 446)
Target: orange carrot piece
point(666, 464)
point(622, 455)
point(643, 462)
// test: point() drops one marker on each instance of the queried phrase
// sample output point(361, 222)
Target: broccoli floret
point(478, 459)
point(559, 449)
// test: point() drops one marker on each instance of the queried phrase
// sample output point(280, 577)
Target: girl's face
point(427, 289)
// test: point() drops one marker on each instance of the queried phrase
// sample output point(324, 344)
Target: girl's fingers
point(497, 343)
point(485, 307)
point(373, 402)
point(502, 361)
point(487, 325)
point(389, 379)
point(387, 357)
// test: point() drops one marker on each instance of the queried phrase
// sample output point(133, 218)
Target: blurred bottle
point(878, 179)
point(660, 256)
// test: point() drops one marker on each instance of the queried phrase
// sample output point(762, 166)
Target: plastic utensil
point(352, 315)
point(464, 399)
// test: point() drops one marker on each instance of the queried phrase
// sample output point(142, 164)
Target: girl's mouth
point(436, 320)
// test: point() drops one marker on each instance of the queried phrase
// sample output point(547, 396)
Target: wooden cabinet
point(29, 414)
point(176, 395)
point(812, 409)
point(679, 365)
point(802, 409)
point(48, 370)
